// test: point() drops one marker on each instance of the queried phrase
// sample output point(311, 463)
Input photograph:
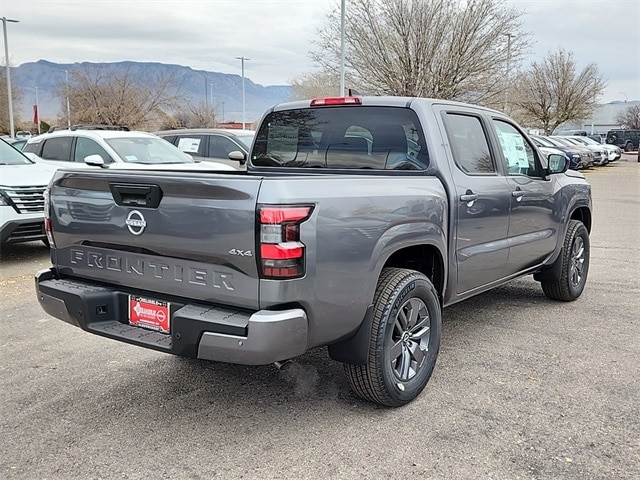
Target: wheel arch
point(584, 215)
point(424, 258)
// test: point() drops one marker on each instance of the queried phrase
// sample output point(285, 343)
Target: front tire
point(404, 339)
point(575, 265)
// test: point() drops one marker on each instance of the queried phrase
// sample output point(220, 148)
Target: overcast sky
point(276, 35)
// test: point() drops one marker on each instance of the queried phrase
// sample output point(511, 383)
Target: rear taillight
point(282, 254)
point(47, 216)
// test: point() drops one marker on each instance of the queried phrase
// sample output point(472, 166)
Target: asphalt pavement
point(524, 388)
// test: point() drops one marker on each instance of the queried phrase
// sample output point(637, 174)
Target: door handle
point(468, 197)
point(517, 194)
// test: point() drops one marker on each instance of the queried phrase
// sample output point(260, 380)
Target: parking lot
point(524, 388)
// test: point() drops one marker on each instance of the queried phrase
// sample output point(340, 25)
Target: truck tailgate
point(183, 234)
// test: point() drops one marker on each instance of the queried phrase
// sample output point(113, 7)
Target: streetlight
point(211, 99)
point(243, 59)
point(6, 67)
point(506, 90)
point(342, 49)
point(66, 79)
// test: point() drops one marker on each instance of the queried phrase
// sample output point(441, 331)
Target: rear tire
point(575, 265)
point(628, 147)
point(404, 339)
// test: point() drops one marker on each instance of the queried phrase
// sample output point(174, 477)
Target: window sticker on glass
point(513, 148)
point(131, 158)
point(189, 145)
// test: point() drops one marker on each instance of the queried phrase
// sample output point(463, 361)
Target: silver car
point(226, 146)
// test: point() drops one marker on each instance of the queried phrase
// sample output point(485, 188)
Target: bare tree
point(315, 85)
point(451, 49)
point(118, 98)
point(192, 116)
point(630, 117)
point(16, 97)
point(553, 92)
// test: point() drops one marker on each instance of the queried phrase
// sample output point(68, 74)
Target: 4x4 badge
point(135, 222)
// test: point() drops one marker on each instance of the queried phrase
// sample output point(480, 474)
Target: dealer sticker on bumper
point(149, 313)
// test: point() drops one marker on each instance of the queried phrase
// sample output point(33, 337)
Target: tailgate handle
point(131, 195)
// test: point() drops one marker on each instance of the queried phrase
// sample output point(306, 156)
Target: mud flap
point(355, 350)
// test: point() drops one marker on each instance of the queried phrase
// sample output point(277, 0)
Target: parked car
point(600, 156)
point(213, 144)
point(23, 134)
point(612, 152)
point(627, 140)
point(579, 158)
point(95, 146)
point(22, 185)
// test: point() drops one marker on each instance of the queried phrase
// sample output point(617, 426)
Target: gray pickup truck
point(358, 219)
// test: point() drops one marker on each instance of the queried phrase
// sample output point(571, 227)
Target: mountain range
point(223, 90)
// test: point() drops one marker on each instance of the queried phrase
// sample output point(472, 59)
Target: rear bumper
point(206, 332)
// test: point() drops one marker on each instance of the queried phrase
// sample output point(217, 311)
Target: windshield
point(147, 150)
point(588, 141)
point(11, 156)
point(563, 141)
point(544, 142)
point(382, 138)
point(555, 143)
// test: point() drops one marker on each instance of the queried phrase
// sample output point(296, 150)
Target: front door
point(534, 222)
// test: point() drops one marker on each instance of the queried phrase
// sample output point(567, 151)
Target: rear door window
point(349, 137)
point(469, 144)
point(193, 144)
point(57, 149)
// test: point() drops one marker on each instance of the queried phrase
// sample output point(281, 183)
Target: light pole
point(6, 67)
point(342, 49)
point(66, 80)
point(222, 112)
point(243, 59)
point(506, 90)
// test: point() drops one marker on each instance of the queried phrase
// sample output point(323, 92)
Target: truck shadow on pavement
point(179, 386)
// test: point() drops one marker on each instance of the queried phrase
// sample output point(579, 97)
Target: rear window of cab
point(342, 137)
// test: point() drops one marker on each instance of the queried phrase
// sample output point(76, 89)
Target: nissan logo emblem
point(135, 222)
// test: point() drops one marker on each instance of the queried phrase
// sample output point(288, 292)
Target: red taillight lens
point(319, 102)
point(282, 254)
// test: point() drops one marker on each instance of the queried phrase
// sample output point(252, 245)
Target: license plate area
point(149, 313)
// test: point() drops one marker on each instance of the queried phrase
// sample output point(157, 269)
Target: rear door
point(189, 235)
point(482, 201)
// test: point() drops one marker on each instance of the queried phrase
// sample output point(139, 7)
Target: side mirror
point(94, 160)
point(238, 156)
point(558, 163)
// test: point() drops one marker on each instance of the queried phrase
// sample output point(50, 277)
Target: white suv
point(22, 185)
point(112, 147)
